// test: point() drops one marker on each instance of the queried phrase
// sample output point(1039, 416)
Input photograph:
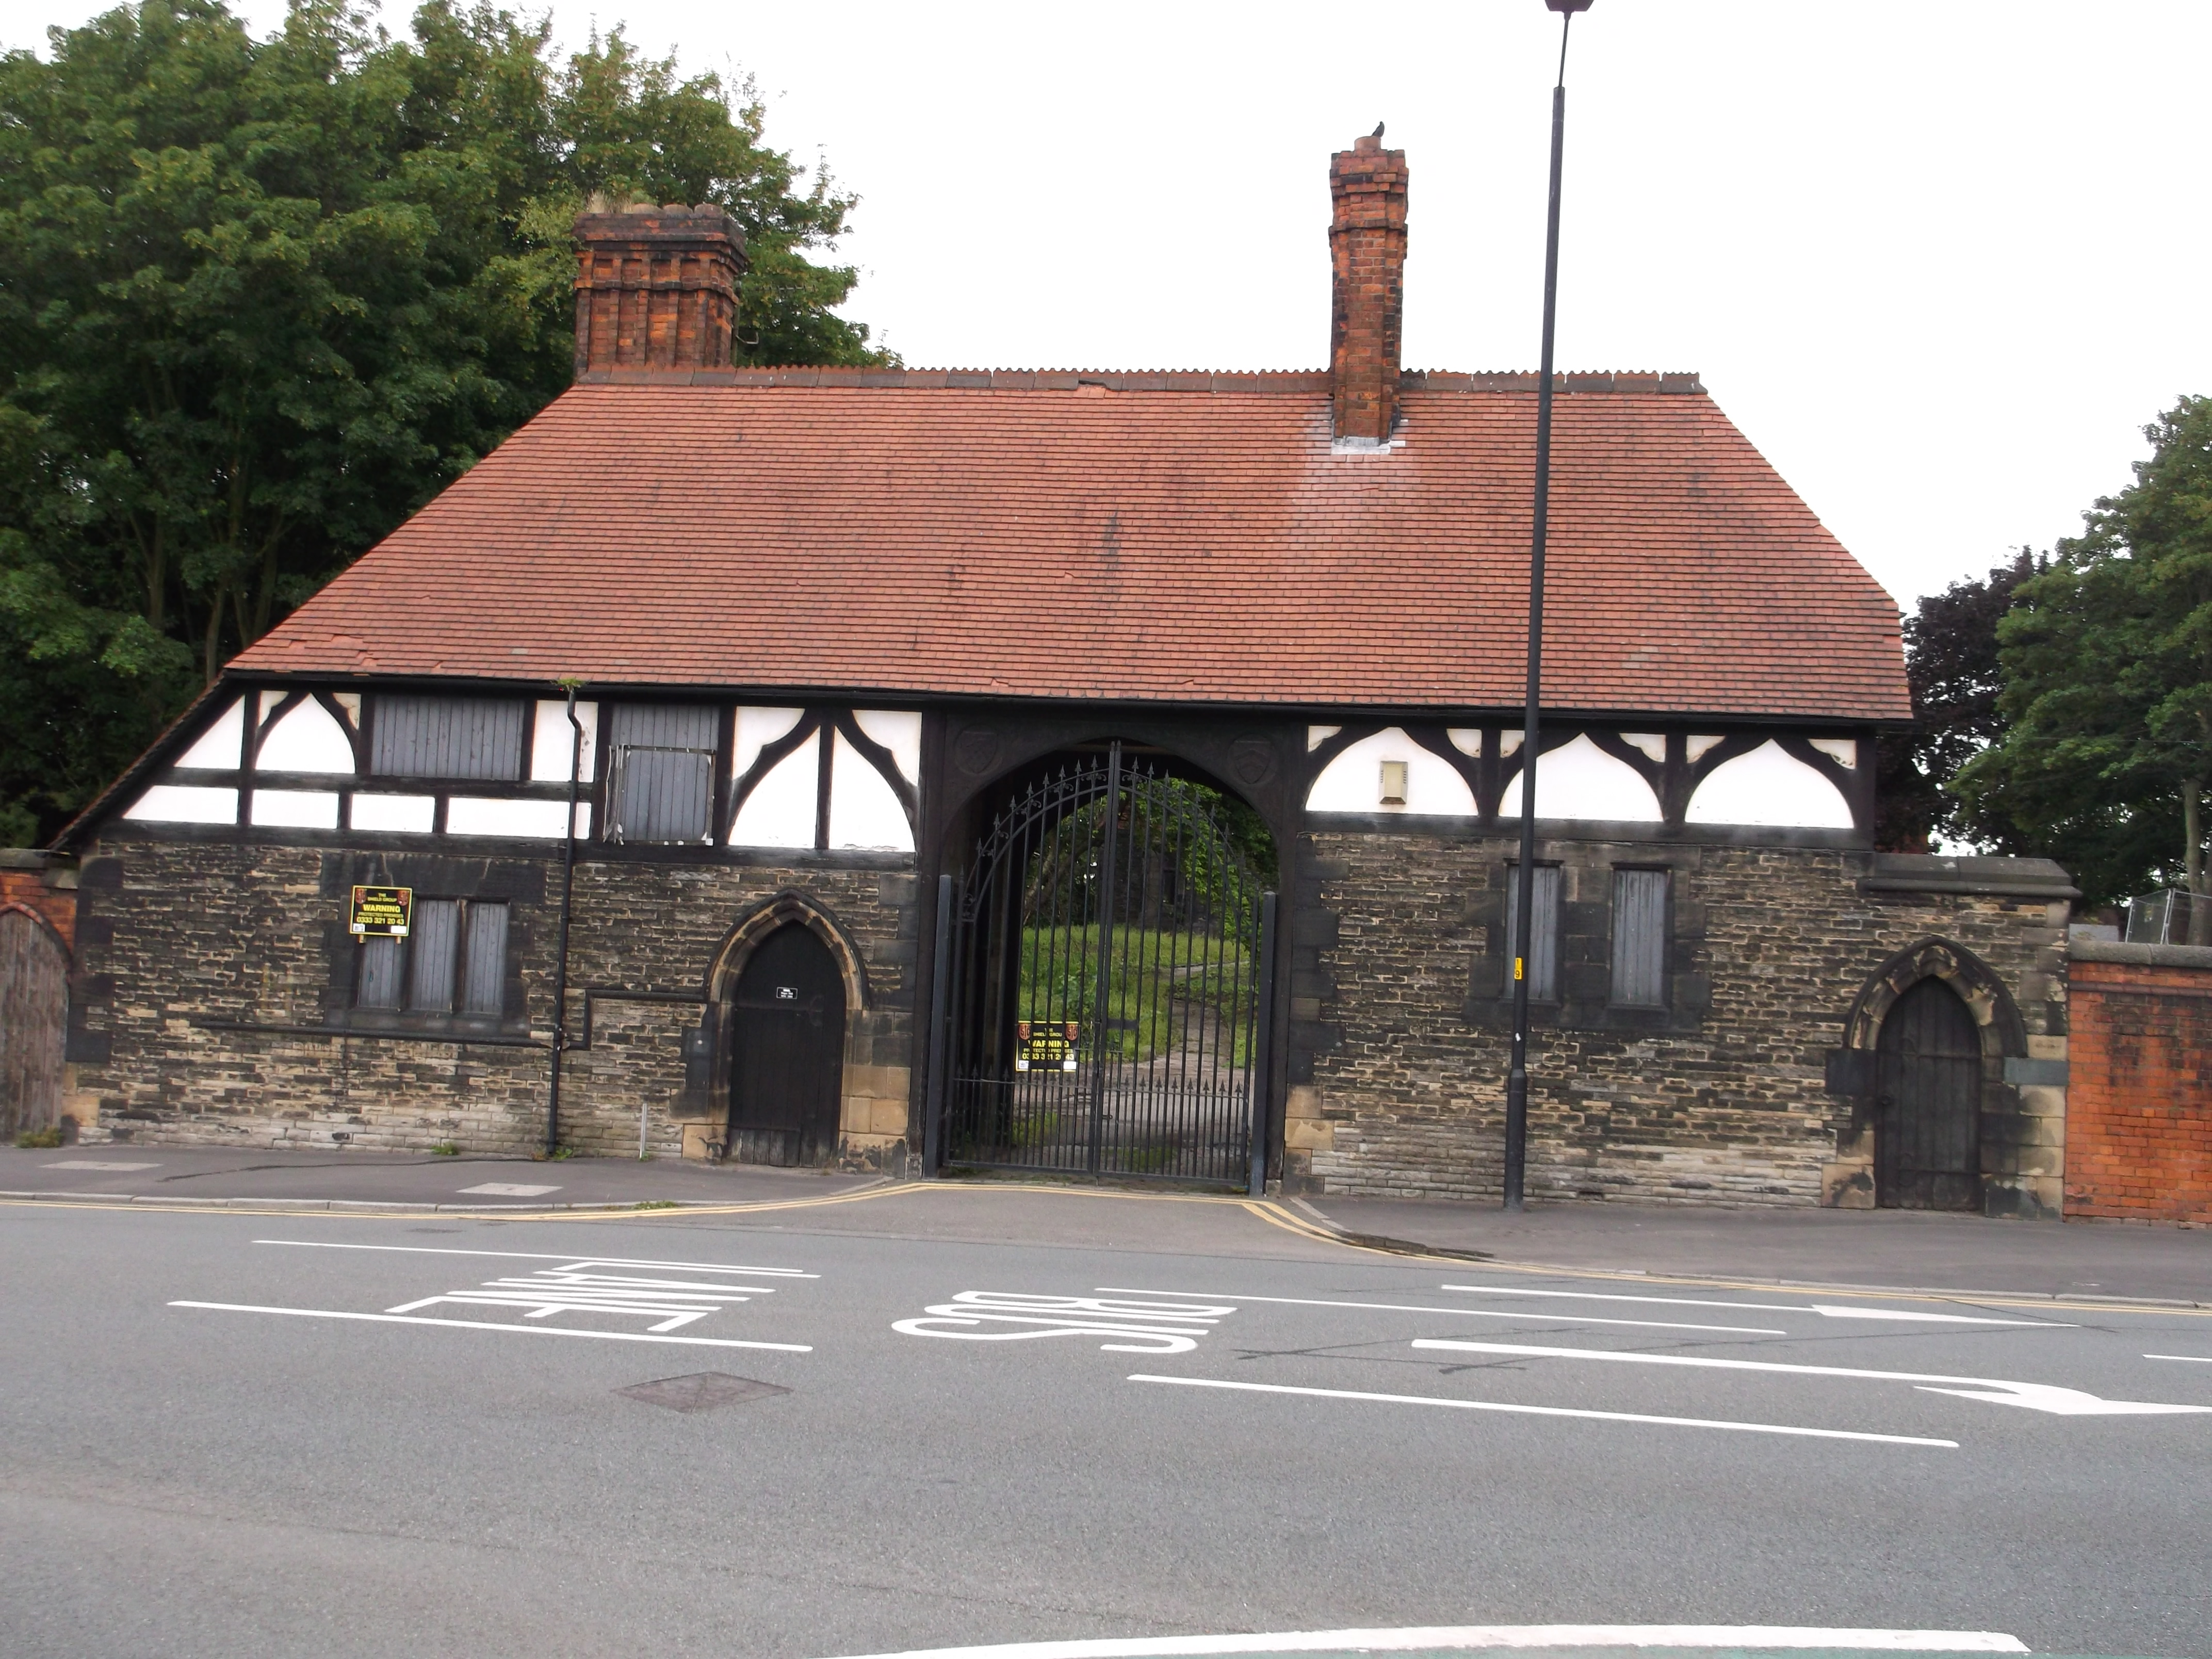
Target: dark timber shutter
point(433, 945)
point(483, 981)
point(446, 738)
point(1543, 938)
point(663, 772)
point(383, 973)
point(1639, 938)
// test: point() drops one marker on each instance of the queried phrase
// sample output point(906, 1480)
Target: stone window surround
point(519, 884)
point(1585, 945)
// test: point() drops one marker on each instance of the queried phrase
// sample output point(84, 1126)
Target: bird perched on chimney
point(1378, 133)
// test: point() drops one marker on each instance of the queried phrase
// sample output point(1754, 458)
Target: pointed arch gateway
point(789, 986)
point(1932, 1029)
point(1102, 1005)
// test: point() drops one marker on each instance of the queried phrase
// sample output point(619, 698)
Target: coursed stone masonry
point(1400, 1019)
point(208, 970)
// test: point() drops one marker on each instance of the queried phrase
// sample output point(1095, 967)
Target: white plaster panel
point(898, 731)
point(552, 741)
point(1844, 751)
point(306, 739)
point(779, 811)
point(1352, 782)
point(863, 812)
point(185, 803)
point(1579, 780)
point(296, 809)
point(1700, 747)
point(219, 746)
point(1508, 743)
point(350, 702)
point(408, 814)
point(1467, 739)
point(533, 820)
point(1653, 744)
point(1768, 787)
point(756, 729)
point(1318, 735)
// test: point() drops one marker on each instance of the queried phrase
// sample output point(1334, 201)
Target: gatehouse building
point(1106, 774)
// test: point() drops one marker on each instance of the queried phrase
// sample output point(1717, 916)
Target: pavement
point(827, 1418)
point(1887, 1249)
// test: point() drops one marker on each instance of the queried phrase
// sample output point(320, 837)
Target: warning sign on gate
point(380, 912)
point(1043, 1047)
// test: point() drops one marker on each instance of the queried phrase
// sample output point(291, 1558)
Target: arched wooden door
point(34, 1012)
point(1927, 1149)
point(788, 1063)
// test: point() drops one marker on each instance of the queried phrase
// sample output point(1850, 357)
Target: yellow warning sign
point(381, 912)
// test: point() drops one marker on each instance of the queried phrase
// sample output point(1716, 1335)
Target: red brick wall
point(2139, 1092)
point(57, 906)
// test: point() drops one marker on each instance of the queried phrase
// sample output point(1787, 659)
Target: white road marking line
point(2191, 1359)
point(2035, 1396)
point(510, 1189)
point(1421, 1638)
point(1826, 1310)
point(1549, 1411)
point(95, 1164)
point(1466, 1313)
point(541, 1255)
point(479, 1325)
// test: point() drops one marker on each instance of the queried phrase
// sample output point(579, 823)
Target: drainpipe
point(568, 895)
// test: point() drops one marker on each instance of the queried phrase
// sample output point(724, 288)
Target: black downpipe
point(561, 954)
point(1263, 1050)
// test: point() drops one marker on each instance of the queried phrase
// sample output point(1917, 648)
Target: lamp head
point(1568, 6)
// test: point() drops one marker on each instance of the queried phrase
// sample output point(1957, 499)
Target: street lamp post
point(1524, 872)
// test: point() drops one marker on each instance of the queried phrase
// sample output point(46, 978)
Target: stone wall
point(1401, 1018)
point(2139, 1125)
point(208, 970)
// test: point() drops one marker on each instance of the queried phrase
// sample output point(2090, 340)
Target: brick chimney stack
point(656, 287)
point(1367, 249)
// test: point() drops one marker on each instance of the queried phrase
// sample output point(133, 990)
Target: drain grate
point(704, 1391)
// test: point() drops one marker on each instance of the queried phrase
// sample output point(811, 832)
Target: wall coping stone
point(1997, 877)
point(2155, 956)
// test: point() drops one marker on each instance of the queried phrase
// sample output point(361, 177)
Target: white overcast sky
point(1940, 260)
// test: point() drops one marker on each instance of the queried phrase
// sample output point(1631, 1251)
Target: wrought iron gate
point(1103, 986)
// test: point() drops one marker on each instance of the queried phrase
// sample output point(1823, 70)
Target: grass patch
point(657, 1204)
point(445, 1149)
point(1155, 977)
point(40, 1140)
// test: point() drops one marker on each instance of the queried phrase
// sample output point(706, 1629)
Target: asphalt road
point(1232, 1426)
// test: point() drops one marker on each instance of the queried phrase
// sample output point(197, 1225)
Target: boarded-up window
point(661, 773)
point(456, 953)
point(1543, 936)
point(433, 945)
point(34, 1012)
point(484, 989)
point(1639, 938)
point(383, 973)
point(446, 738)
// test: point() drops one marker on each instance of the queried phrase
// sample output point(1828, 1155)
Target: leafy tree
point(1951, 664)
point(261, 299)
point(2107, 659)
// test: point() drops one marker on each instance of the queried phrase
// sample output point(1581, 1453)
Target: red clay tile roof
point(1150, 538)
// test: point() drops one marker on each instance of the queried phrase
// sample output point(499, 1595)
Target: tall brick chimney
point(1367, 248)
point(657, 288)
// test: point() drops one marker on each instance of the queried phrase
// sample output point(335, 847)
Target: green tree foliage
point(2107, 659)
point(1951, 663)
point(261, 299)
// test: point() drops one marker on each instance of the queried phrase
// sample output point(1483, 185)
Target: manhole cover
point(703, 1392)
